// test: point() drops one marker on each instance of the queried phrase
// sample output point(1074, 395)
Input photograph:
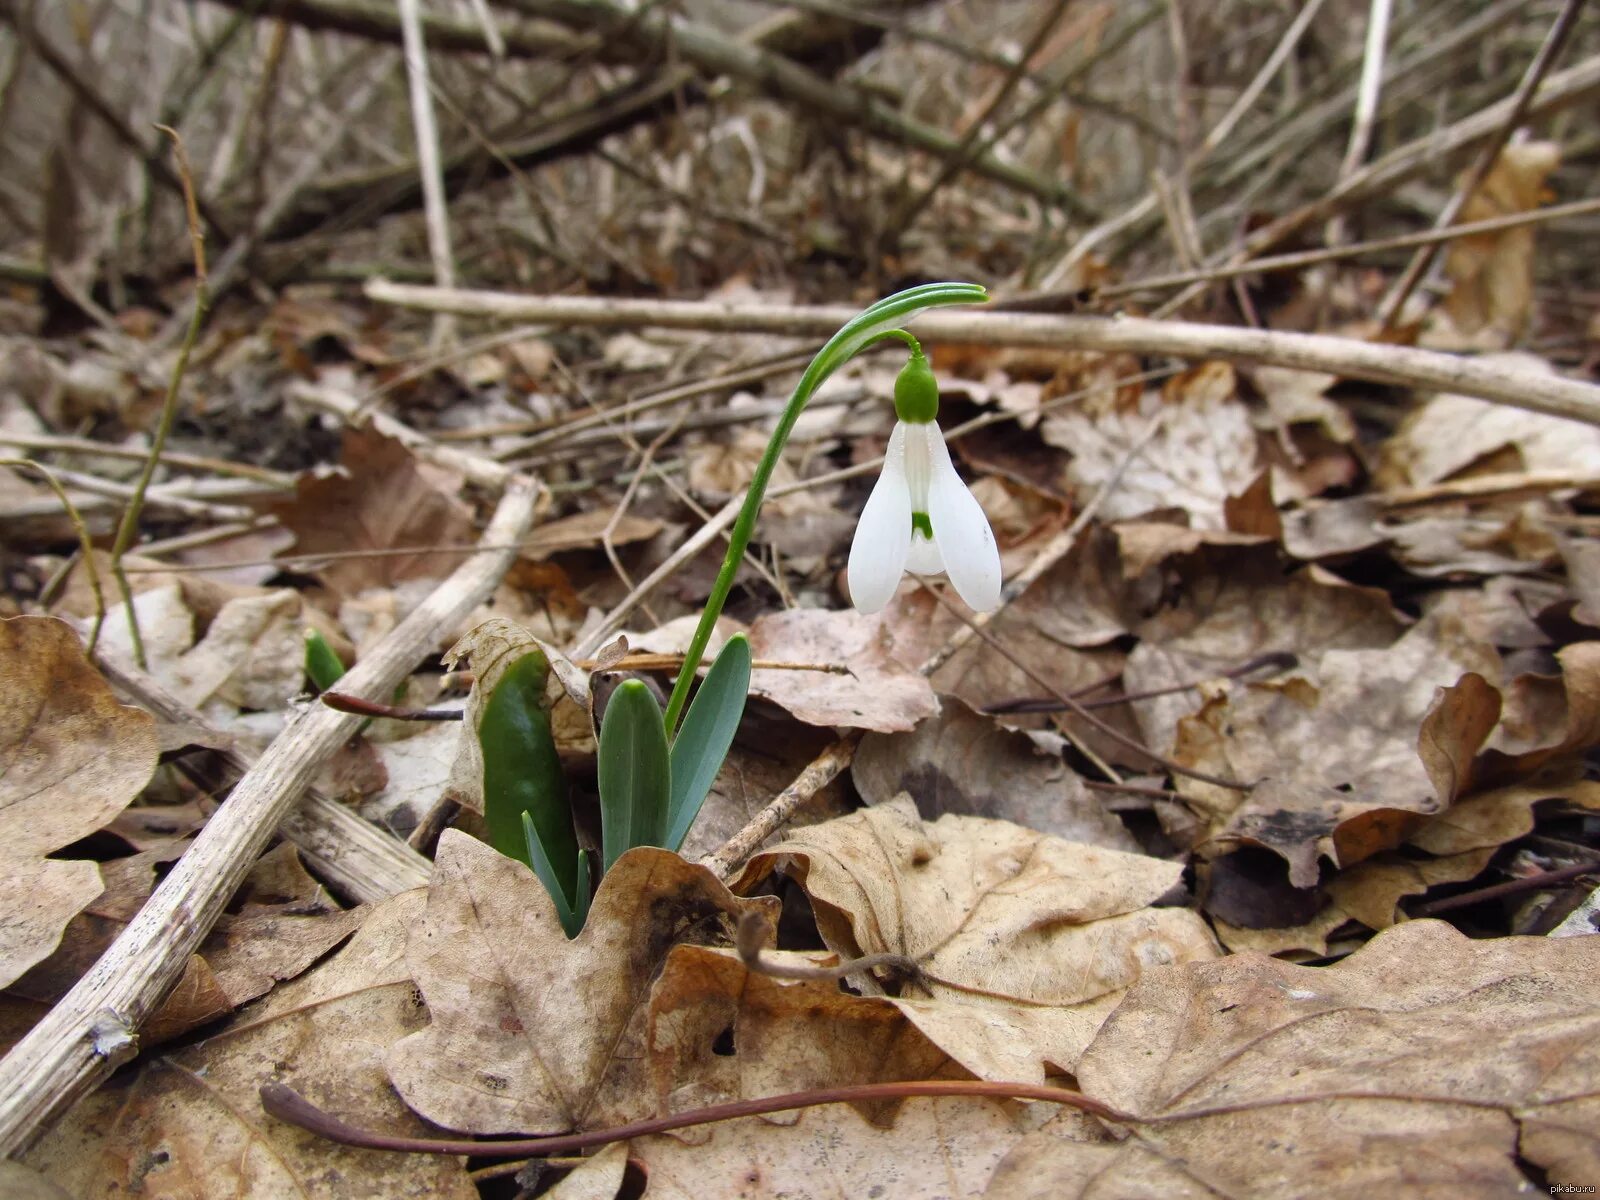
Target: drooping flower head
point(920, 517)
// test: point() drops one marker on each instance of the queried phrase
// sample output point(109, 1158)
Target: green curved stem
point(871, 325)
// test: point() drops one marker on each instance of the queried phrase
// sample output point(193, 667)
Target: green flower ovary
point(916, 391)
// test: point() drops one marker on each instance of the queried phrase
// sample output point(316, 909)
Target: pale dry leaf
point(1491, 274)
point(1495, 541)
point(1296, 397)
point(251, 650)
point(419, 769)
point(385, 499)
point(960, 762)
point(1582, 557)
point(1502, 612)
point(877, 693)
point(598, 1178)
point(1426, 1064)
point(530, 1031)
point(1028, 940)
point(191, 1124)
point(1346, 754)
point(71, 759)
point(1449, 433)
point(1204, 452)
point(1145, 545)
point(1333, 528)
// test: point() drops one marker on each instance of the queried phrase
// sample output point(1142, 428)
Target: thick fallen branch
point(1427, 370)
point(94, 1028)
point(359, 859)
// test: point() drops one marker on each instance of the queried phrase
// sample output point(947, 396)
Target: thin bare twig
point(427, 135)
point(1549, 51)
point(129, 527)
point(1366, 111)
point(85, 546)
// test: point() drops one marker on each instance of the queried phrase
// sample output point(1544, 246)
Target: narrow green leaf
point(522, 773)
point(635, 773)
point(323, 667)
point(708, 728)
point(571, 910)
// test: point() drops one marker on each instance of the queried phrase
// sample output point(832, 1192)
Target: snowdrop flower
point(920, 517)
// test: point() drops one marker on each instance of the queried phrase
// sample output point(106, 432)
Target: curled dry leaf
point(1426, 1064)
point(1345, 755)
point(878, 693)
point(1027, 940)
point(490, 649)
point(530, 1031)
point(191, 1124)
point(963, 763)
point(1548, 718)
point(71, 759)
point(1368, 893)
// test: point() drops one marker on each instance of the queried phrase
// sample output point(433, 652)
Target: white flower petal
point(924, 558)
point(883, 536)
point(966, 543)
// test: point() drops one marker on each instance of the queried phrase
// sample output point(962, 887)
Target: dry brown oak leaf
point(384, 498)
point(1425, 1064)
point(961, 762)
point(71, 759)
point(531, 1032)
point(1234, 605)
point(1027, 941)
point(190, 1124)
point(1346, 756)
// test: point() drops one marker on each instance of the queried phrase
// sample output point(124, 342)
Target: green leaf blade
point(708, 730)
point(635, 773)
point(573, 910)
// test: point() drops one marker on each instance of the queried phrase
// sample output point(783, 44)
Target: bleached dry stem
point(1404, 366)
point(354, 855)
point(95, 1026)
